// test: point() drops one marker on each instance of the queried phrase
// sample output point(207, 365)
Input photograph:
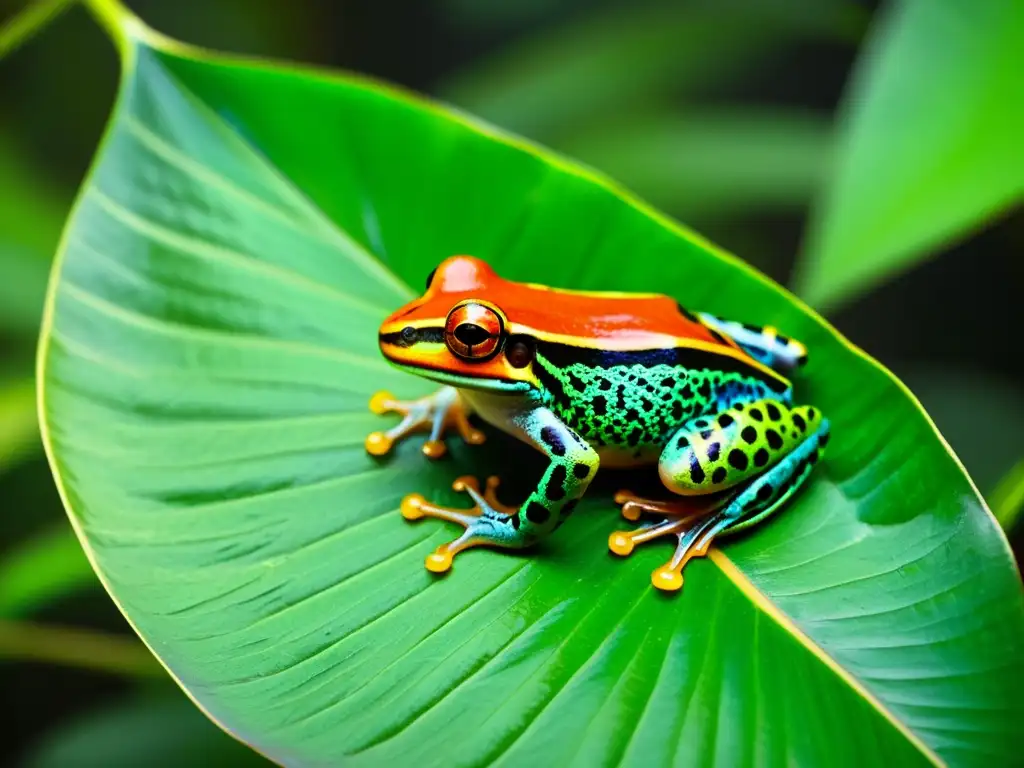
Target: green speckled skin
point(708, 430)
point(710, 454)
point(638, 408)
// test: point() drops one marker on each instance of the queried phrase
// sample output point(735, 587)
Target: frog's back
point(628, 370)
point(605, 319)
point(621, 332)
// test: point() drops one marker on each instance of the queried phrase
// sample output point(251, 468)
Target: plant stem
point(30, 20)
point(1007, 499)
point(75, 647)
point(116, 20)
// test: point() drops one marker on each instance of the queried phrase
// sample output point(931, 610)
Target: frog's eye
point(473, 331)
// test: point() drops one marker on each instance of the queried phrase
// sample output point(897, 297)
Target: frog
point(599, 379)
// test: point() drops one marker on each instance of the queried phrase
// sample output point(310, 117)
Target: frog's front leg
point(573, 464)
point(438, 412)
point(743, 465)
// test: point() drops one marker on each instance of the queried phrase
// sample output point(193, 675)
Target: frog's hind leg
point(768, 493)
point(709, 454)
point(693, 522)
point(743, 508)
point(762, 342)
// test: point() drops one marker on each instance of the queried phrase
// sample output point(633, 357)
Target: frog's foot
point(634, 506)
point(694, 541)
point(683, 518)
point(727, 513)
point(694, 533)
point(622, 543)
point(487, 522)
point(438, 413)
point(491, 496)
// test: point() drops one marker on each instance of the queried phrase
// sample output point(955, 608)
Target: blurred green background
point(730, 116)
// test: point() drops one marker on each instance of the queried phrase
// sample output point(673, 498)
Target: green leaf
point(586, 71)
point(705, 164)
point(48, 566)
point(155, 732)
point(21, 28)
point(979, 414)
point(23, 278)
point(31, 213)
point(19, 430)
point(30, 208)
point(929, 148)
point(209, 351)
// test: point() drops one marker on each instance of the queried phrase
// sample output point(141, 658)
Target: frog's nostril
point(471, 334)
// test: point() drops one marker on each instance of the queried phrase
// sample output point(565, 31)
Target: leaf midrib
point(764, 606)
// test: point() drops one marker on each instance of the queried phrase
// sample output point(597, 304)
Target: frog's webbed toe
point(694, 535)
point(487, 522)
point(491, 497)
point(634, 506)
point(693, 521)
point(697, 521)
point(437, 413)
point(623, 543)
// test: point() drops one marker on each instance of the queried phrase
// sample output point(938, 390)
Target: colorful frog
point(600, 379)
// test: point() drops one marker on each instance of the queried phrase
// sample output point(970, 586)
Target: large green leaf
point(713, 163)
point(208, 354)
point(930, 143)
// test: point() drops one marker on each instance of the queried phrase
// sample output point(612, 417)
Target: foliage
point(31, 213)
point(562, 85)
point(170, 732)
point(747, 160)
point(44, 567)
point(18, 428)
point(930, 147)
point(204, 409)
point(569, 77)
point(1008, 497)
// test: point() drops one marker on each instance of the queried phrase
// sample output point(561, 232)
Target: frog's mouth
point(423, 352)
point(506, 386)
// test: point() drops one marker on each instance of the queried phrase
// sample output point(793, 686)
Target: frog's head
point(457, 332)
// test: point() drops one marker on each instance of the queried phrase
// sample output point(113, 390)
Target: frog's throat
point(496, 385)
